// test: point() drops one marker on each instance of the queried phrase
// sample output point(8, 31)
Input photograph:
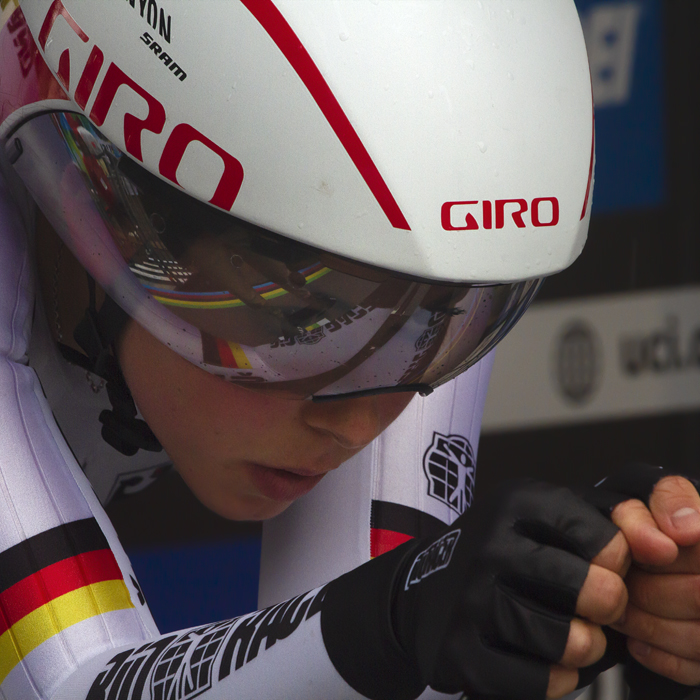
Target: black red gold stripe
point(393, 524)
point(49, 547)
point(54, 580)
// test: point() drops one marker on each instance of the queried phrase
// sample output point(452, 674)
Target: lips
point(282, 484)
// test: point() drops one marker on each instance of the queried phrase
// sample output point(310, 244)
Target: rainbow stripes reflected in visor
point(242, 302)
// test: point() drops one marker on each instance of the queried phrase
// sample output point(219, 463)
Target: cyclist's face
point(245, 455)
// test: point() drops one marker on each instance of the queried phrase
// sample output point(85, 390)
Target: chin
point(253, 509)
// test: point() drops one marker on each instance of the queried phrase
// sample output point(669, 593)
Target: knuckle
point(584, 646)
point(614, 556)
point(639, 593)
point(612, 598)
point(672, 491)
point(672, 485)
point(628, 507)
point(623, 551)
point(581, 649)
point(647, 628)
point(562, 681)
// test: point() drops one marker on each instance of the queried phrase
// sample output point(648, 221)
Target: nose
point(354, 423)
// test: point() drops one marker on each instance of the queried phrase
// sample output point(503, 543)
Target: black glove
point(634, 480)
point(484, 607)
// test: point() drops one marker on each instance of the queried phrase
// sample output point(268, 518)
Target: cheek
point(194, 414)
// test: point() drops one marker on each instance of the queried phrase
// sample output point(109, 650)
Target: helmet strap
point(96, 334)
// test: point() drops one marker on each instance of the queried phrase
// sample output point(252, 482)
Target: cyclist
point(268, 226)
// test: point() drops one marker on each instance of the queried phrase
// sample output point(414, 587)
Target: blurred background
point(604, 369)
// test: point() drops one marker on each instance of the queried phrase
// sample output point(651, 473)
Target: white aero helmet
point(322, 198)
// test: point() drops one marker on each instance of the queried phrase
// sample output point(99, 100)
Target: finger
point(675, 506)
point(677, 637)
point(673, 596)
point(671, 666)
point(615, 556)
point(562, 681)
point(585, 645)
point(603, 596)
point(687, 562)
point(646, 541)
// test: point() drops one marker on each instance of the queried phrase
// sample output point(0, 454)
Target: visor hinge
point(17, 153)
point(95, 334)
point(120, 427)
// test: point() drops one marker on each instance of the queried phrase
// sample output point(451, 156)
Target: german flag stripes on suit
point(54, 580)
point(392, 524)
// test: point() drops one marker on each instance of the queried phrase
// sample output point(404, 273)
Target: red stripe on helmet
point(289, 44)
point(590, 171)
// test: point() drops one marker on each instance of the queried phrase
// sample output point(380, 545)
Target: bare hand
point(662, 619)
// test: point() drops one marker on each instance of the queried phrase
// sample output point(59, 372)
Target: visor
point(245, 303)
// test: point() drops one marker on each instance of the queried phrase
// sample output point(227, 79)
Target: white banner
point(607, 357)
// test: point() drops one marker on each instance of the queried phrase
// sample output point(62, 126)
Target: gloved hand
point(491, 606)
point(659, 584)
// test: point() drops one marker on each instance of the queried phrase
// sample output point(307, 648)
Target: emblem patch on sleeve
point(450, 468)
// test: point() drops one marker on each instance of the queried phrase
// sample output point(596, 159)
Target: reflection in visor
point(265, 310)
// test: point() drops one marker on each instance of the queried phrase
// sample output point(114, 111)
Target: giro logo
point(118, 89)
point(109, 95)
point(450, 468)
point(472, 215)
point(436, 557)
